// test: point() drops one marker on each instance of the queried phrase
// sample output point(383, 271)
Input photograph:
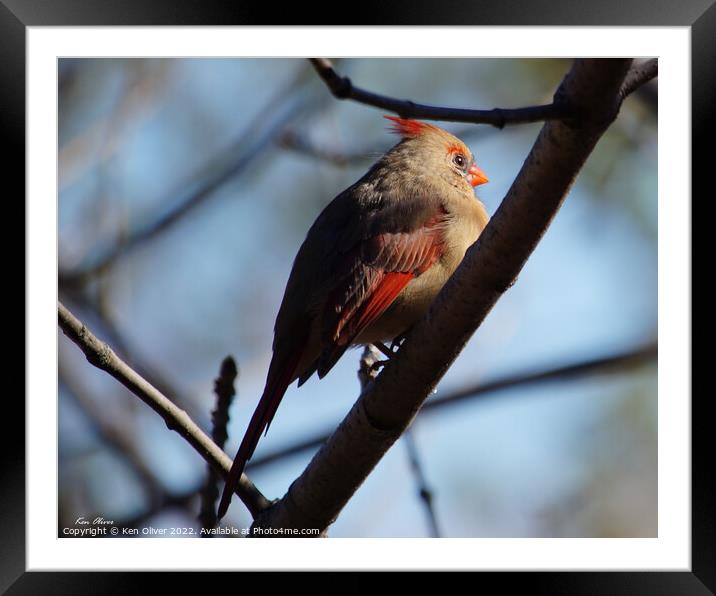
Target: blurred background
point(186, 187)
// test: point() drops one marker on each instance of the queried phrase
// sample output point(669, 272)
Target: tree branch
point(638, 75)
point(343, 88)
point(612, 363)
point(424, 491)
point(101, 355)
point(490, 266)
point(224, 389)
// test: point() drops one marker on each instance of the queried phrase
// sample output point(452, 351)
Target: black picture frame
point(17, 15)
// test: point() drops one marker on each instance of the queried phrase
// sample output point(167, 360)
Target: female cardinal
point(371, 263)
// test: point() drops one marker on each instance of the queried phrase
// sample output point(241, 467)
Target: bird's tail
point(276, 385)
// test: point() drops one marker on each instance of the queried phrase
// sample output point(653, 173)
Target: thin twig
point(224, 389)
point(424, 491)
point(101, 355)
point(638, 75)
point(342, 88)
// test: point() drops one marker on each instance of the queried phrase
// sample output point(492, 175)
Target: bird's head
point(438, 151)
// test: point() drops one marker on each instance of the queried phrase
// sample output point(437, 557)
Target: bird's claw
point(397, 342)
point(388, 352)
point(377, 365)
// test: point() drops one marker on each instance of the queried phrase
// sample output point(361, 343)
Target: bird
point(371, 264)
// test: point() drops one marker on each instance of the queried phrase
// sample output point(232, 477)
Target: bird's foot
point(397, 342)
point(370, 364)
point(387, 351)
point(377, 365)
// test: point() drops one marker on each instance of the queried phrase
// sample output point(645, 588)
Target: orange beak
point(475, 176)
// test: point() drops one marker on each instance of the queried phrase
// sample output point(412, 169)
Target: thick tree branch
point(101, 355)
point(638, 75)
point(490, 266)
point(343, 88)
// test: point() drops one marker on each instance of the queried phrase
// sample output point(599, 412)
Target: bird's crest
point(409, 129)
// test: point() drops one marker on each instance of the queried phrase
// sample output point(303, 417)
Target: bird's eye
point(459, 160)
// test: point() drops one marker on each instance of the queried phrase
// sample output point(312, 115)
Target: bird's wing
point(373, 275)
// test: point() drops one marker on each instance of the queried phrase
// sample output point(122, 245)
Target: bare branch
point(490, 266)
point(101, 355)
point(224, 389)
point(424, 491)
point(343, 88)
point(638, 75)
